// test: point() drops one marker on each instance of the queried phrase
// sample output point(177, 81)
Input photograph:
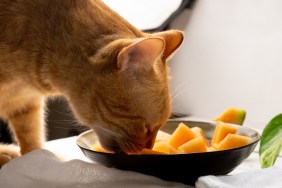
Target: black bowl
point(184, 168)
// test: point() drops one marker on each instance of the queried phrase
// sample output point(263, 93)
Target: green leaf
point(271, 142)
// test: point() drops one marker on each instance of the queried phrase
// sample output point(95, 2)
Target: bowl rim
point(254, 141)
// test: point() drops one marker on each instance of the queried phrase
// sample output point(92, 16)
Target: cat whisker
point(178, 87)
point(67, 128)
point(126, 141)
point(177, 95)
point(63, 121)
point(175, 92)
point(109, 132)
point(63, 127)
point(176, 107)
point(64, 113)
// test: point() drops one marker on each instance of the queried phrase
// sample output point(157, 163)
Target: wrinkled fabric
point(41, 168)
point(264, 178)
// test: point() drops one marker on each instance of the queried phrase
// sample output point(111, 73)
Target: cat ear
point(141, 54)
point(173, 39)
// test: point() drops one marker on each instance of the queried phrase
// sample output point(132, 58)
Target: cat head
point(127, 99)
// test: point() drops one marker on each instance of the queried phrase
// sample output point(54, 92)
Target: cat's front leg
point(27, 124)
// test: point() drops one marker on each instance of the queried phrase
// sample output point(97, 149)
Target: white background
point(231, 56)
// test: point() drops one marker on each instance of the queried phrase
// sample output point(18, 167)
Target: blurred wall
point(231, 56)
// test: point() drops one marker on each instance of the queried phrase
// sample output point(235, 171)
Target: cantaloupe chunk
point(162, 136)
point(232, 115)
point(221, 131)
point(233, 141)
point(163, 146)
point(199, 132)
point(195, 145)
point(210, 149)
point(181, 135)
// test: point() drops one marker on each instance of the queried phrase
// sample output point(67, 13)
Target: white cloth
point(264, 178)
point(42, 169)
point(145, 14)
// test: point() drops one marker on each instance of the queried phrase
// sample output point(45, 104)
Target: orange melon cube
point(211, 148)
point(181, 135)
point(232, 115)
point(221, 131)
point(162, 136)
point(195, 145)
point(163, 146)
point(199, 132)
point(233, 141)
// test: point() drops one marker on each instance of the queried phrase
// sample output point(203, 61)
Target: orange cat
point(114, 76)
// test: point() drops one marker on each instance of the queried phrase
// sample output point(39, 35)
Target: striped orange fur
point(114, 76)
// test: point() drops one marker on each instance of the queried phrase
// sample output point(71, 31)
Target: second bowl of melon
point(183, 151)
